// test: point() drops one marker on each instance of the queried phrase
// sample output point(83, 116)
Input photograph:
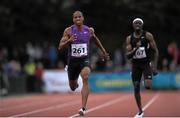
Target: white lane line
point(150, 102)
point(22, 105)
point(48, 108)
point(108, 103)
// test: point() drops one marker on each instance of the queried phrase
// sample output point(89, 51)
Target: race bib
point(78, 50)
point(140, 53)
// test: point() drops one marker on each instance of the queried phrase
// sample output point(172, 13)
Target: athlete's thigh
point(136, 74)
point(73, 72)
point(85, 68)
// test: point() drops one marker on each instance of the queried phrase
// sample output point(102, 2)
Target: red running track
point(122, 104)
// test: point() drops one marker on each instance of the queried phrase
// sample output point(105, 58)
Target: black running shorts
point(75, 66)
point(140, 69)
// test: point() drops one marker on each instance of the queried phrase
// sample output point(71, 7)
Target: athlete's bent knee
point(85, 75)
point(73, 88)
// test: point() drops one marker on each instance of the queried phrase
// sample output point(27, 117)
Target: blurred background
point(30, 31)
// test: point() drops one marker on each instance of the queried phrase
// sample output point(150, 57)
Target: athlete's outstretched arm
point(155, 49)
point(98, 43)
point(129, 50)
point(66, 39)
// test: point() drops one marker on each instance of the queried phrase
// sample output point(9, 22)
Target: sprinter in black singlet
point(142, 50)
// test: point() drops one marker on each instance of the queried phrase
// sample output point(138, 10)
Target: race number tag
point(140, 53)
point(78, 50)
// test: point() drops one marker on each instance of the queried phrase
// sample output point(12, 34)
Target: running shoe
point(81, 112)
point(139, 115)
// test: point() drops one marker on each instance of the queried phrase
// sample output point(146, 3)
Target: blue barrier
point(177, 80)
point(164, 80)
point(112, 82)
point(108, 82)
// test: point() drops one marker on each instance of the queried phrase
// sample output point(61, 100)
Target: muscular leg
point(85, 89)
point(136, 77)
point(137, 95)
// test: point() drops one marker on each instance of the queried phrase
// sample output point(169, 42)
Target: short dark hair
point(79, 12)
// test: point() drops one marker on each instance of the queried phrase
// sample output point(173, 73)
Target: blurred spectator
point(52, 55)
point(30, 69)
point(13, 69)
point(38, 52)
point(30, 50)
point(109, 66)
point(165, 65)
point(118, 60)
point(173, 51)
point(4, 83)
point(101, 65)
point(93, 60)
point(60, 65)
point(39, 74)
point(94, 56)
point(45, 55)
point(3, 54)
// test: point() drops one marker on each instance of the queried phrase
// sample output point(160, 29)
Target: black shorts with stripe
point(75, 66)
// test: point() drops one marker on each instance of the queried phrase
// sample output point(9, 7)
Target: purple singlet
point(80, 47)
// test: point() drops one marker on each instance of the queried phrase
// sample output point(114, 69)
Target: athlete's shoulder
point(67, 30)
point(128, 37)
point(149, 35)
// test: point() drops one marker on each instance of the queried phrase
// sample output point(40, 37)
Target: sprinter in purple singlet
point(77, 38)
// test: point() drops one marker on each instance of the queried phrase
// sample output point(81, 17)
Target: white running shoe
point(81, 112)
point(139, 115)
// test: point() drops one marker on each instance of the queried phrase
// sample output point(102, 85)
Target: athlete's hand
point(154, 69)
point(106, 57)
point(72, 38)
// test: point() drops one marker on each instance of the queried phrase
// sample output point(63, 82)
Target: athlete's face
point(78, 18)
point(137, 25)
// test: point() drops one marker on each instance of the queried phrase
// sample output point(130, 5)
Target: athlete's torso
point(80, 47)
point(141, 54)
